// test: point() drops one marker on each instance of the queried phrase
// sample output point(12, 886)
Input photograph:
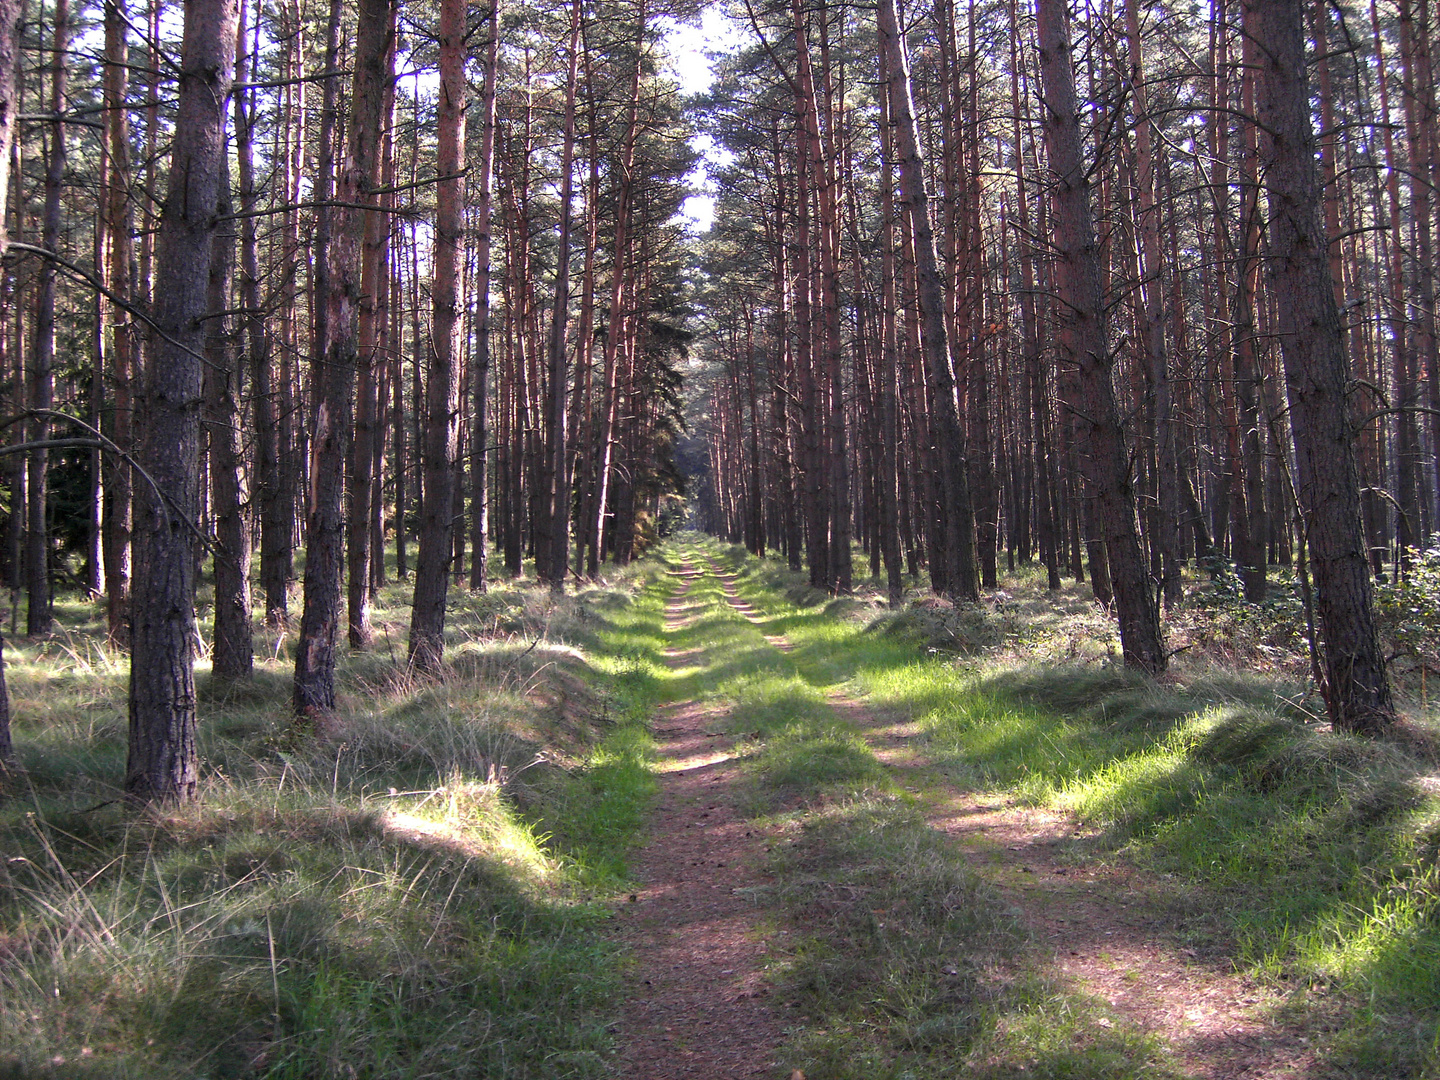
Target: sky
point(688, 46)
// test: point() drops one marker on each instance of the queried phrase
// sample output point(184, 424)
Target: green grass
point(419, 885)
point(1316, 851)
point(415, 887)
point(908, 965)
point(901, 961)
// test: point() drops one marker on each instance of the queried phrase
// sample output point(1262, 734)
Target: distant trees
point(1116, 383)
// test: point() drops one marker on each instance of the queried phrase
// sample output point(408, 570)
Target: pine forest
point(390, 388)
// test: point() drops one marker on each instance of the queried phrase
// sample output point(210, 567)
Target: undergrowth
point(412, 887)
point(1316, 851)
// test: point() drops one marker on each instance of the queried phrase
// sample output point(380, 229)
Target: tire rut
point(1113, 933)
point(698, 1004)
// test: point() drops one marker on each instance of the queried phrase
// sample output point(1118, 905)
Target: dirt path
point(699, 1005)
point(1111, 932)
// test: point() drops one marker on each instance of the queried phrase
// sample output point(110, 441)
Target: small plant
point(1410, 608)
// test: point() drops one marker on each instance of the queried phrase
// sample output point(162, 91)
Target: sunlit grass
point(407, 888)
point(1310, 846)
point(413, 887)
point(903, 962)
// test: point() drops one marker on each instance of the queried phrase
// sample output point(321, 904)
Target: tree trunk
point(125, 360)
point(427, 614)
point(330, 429)
point(1316, 374)
point(1084, 347)
point(1407, 486)
point(480, 430)
point(889, 370)
point(374, 293)
point(233, 655)
point(7, 748)
point(38, 617)
point(1152, 328)
point(162, 761)
point(552, 553)
point(274, 484)
point(957, 519)
point(598, 504)
point(9, 104)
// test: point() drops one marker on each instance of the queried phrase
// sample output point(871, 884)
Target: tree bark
point(958, 520)
point(233, 656)
point(9, 104)
point(38, 617)
point(1316, 374)
point(125, 359)
point(427, 614)
point(1085, 349)
point(374, 293)
point(161, 765)
point(552, 553)
point(1152, 322)
point(889, 369)
point(330, 428)
point(480, 437)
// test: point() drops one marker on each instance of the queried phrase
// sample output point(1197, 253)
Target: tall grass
point(411, 888)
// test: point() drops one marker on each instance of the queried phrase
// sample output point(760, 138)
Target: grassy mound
point(410, 887)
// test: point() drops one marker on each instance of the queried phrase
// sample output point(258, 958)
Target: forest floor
point(701, 1006)
point(703, 821)
point(705, 924)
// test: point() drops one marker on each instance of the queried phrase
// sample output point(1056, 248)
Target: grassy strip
point(412, 889)
point(1318, 850)
point(908, 966)
point(902, 962)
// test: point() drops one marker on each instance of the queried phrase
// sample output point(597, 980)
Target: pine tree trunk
point(598, 503)
point(1085, 349)
point(957, 517)
point(272, 405)
point(427, 614)
point(1316, 374)
point(374, 291)
point(1152, 329)
point(38, 616)
point(331, 424)
point(889, 375)
point(552, 554)
point(480, 437)
point(125, 359)
point(1407, 486)
point(9, 104)
point(161, 766)
point(232, 650)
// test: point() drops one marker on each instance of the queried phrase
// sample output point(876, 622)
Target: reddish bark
point(162, 765)
point(1316, 373)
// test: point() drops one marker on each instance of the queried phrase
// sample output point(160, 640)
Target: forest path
point(1119, 935)
point(699, 1005)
